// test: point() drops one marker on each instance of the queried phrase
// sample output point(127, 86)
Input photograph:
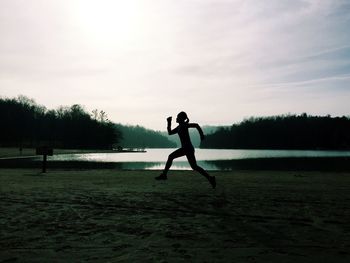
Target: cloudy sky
point(143, 60)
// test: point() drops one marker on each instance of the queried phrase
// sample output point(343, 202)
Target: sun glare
point(110, 23)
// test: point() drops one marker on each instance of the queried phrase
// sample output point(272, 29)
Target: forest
point(284, 132)
point(24, 123)
point(140, 137)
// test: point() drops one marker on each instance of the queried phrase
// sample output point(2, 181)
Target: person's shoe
point(161, 177)
point(212, 181)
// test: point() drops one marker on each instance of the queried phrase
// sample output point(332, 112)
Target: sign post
point(44, 151)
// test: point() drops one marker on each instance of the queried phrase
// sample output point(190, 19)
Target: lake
point(155, 159)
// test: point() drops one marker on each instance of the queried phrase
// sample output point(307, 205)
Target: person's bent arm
point(199, 129)
point(170, 131)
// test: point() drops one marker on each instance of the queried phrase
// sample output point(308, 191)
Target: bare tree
point(95, 114)
point(103, 116)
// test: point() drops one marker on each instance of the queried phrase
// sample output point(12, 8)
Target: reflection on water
point(209, 159)
point(179, 165)
point(287, 164)
point(160, 155)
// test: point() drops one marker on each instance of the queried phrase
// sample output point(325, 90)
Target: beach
point(109, 215)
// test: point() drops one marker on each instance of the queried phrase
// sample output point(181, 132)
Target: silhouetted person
point(186, 147)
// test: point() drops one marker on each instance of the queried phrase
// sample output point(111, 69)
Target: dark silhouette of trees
point(284, 132)
point(140, 137)
point(26, 124)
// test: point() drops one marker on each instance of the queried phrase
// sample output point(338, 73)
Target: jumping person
point(186, 147)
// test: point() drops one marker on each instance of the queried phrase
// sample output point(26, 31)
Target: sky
point(141, 61)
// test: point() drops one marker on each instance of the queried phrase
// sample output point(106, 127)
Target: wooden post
point(44, 151)
point(44, 162)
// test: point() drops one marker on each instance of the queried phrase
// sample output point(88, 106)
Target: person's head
point(182, 117)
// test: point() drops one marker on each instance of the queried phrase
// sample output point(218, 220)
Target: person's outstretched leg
point(192, 160)
point(176, 154)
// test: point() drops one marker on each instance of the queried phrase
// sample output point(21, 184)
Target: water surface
point(156, 158)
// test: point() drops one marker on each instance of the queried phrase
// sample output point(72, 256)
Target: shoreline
point(335, 164)
point(14, 153)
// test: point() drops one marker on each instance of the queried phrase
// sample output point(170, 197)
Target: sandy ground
point(126, 216)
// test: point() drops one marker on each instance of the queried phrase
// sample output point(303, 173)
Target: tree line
point(284, 132)
point(140, 137)
point(24, 123)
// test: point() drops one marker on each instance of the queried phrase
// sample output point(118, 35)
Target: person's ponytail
point(182, 116)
